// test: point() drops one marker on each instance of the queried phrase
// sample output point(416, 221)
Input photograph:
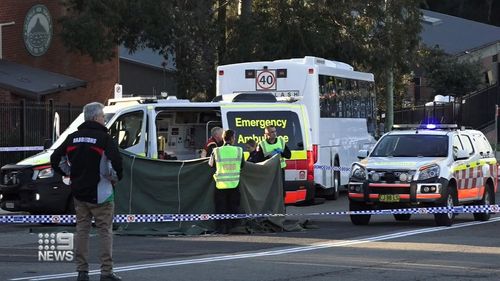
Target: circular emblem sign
point(37, 30)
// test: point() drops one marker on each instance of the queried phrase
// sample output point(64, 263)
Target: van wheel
point(446, 219)
point(335, 189)
point(486, 200)
point(402, 217)
point(359, 219)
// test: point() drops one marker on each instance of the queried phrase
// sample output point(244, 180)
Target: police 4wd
point(424, 166)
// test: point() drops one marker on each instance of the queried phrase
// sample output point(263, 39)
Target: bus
point(340, 101)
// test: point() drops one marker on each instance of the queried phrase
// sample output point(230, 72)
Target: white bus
point(340, 101)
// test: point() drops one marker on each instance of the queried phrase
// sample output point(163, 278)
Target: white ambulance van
point(168, 129)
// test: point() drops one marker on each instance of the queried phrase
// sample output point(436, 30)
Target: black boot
point(110, 277)
point(83, 276)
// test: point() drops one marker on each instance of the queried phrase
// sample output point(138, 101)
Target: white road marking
point(316, 246)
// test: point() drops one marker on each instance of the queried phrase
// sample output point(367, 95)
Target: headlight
point(358, 172)
point(428, 172)
point(46, 173)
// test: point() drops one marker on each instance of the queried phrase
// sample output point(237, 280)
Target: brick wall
point(100, 77)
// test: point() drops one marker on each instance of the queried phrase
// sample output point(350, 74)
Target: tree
point(391, 47)
point(96, 27)
point(372, 36)
point(447, 75)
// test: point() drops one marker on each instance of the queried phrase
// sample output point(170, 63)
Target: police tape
point(332, 168)
point(157, 218)
point(20, 148)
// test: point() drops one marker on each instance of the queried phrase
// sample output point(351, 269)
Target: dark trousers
point(283, 183)
point(227, 201)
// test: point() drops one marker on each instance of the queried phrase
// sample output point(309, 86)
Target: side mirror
point(47, 143)
point(461, 154)
point(362, 154)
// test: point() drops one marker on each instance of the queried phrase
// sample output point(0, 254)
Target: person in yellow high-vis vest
point(228, 161)
point(273, 145)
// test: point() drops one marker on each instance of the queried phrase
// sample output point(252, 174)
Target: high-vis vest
point(228, 161)
point(268, 149)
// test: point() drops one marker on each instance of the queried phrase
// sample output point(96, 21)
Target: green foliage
point(449, 76)
point(96, 27)
point(371, 35)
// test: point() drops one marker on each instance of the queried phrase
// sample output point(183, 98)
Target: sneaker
point(110, 277)
point(83, 276)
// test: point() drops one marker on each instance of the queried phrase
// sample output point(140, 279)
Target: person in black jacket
point(251, 147)
point(94, 164)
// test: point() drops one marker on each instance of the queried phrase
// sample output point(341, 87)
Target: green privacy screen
point(186, 187)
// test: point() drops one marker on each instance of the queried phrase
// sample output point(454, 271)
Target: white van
point(168, 129)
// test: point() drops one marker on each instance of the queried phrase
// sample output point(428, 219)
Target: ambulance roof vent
point(252, 97)
point(132, 100)
point(246, 97)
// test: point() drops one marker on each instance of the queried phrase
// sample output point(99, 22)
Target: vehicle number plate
point(9, 205)
point(389, 198)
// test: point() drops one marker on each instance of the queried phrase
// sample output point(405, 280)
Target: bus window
point(251, 125)
point(348, 98)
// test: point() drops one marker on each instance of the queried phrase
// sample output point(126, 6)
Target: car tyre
point(488, 199)
point(359, 219)
point(450, 200)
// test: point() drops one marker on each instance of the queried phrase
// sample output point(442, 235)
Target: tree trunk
point(389, 88)
point(245, 9)
point(489, 3)
point(221, 21)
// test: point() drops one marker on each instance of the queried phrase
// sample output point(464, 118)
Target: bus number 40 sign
point(265, 80)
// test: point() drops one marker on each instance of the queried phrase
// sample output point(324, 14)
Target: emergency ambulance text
point(243, 139)
point(261, 123)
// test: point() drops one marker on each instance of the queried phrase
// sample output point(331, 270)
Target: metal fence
point(30, 124)
point(476, 110)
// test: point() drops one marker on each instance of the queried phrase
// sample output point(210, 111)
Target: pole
point(496, 129)
point(23, 124)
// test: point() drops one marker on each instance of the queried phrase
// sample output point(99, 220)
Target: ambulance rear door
point(249, 120)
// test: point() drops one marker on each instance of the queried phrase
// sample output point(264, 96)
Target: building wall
point(100, 77)
point(143, 80)
point(489, 58)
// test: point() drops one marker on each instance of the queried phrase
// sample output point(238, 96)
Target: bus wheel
point(450, 200)
point(487, 199)
point(334, 193)
point(359, 219)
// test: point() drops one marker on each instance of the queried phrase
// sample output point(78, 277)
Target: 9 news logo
point(55, 246)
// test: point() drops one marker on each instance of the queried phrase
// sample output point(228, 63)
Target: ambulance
point(167, 129)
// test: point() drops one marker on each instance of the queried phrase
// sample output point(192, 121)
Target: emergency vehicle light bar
point(425, 126)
